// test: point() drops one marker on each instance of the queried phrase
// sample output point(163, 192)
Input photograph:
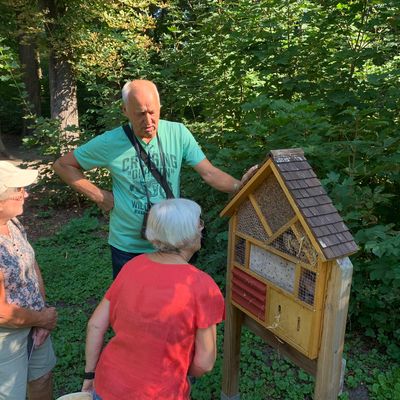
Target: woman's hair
point(173, 224)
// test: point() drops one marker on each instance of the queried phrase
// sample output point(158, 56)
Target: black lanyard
point(145, 158)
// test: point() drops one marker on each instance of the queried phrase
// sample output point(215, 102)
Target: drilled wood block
point(273, 203)
point(272, 267)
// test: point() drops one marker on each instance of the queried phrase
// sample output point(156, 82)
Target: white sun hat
point(77, 396)
point(14, 177)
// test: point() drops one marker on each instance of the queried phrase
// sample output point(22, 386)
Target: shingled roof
point(316, 207)
point(325, 223)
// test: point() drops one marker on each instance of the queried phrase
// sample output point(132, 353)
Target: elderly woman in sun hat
point(26, 352)
point(163, 311)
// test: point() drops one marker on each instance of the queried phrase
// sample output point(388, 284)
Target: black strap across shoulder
point(161, 178)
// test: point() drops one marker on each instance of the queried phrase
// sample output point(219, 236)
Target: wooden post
point(232, 334)
point(329, 365)
point(231, 365)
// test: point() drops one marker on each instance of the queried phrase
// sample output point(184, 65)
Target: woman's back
point(155, 311)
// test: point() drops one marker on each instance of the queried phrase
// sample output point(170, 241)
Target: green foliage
point(11, 89)
point(76, 266)
point(50, 143)
point(48, 138)
point(376, 281)
point(387, 385)
point(321, 76)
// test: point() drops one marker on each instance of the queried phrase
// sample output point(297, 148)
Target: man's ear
point(123, 109)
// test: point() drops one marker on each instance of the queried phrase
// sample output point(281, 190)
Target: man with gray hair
point(167, 144)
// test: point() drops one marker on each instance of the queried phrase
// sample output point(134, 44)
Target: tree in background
point(62, 79)
point(97, 45)
point(20, 29)
point(27, 37)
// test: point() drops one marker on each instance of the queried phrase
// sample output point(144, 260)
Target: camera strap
point(143, 156)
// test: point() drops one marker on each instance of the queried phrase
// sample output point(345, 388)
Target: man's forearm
point(216, 178)
point(222, 181)
point(75, 178)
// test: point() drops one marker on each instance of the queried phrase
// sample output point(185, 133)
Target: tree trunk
point(62, 83)
point(29, 59)
point(63, 96)
point(4, 154)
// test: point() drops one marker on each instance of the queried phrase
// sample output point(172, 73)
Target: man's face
point(143, 112)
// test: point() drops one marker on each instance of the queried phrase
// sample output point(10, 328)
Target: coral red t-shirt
point(155, 311)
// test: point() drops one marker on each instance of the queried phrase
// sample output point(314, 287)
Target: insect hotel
point(288, 274)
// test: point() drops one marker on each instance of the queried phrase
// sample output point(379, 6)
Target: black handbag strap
point(160, 178)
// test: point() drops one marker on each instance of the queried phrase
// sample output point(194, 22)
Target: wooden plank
point(297, 211)
point(232, 332)
point(251, 240)
point(289, 224)
point(319, 298)
point(311, 259)
point(239, 197)
point(270, 284)
point(329, 367)
point(231, 361)
point(297, 152)
point(282, 254)
point(271, 249)
point(260, 215)
point(230, 253)
point(283, 348)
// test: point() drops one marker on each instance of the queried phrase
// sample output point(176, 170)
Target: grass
point(76, 267)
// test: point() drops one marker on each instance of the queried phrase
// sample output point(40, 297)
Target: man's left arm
point(220, 180)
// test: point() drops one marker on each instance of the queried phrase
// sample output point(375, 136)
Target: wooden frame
point(314, 304)
point(328, 368)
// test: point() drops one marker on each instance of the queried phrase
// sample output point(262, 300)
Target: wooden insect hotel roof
point(308, 199)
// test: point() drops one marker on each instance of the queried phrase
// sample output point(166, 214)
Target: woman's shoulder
point(202, 277)
point(16, 225)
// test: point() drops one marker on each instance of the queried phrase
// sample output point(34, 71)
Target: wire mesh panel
point(240, 250)
point(288, 243)
point(307, 286)
point(273, 203)
point(272, 267)
point(249, 223)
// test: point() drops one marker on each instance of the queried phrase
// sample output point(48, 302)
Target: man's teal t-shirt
point(114, 151)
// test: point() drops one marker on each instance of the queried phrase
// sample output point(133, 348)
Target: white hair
point(127, 88)
point(173, 224)
point(125, 92)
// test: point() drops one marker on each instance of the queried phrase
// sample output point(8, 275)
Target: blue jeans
point(119, 258)
point(96, 396)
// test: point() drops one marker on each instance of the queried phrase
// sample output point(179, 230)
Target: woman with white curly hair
point(163, 311)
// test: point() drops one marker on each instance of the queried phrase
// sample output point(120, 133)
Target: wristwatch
point(88, 375)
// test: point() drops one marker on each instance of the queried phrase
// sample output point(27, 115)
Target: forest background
point(245, 76)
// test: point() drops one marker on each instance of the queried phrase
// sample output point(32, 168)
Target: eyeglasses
point(17, 193)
